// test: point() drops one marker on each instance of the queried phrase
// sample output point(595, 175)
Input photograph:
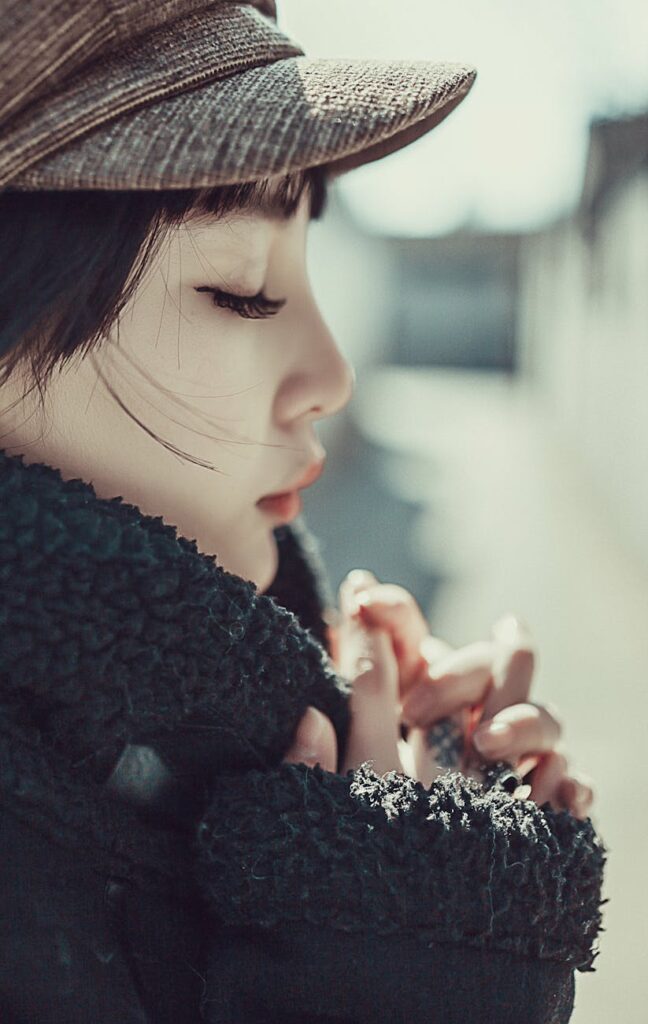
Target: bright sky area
point(511, 157)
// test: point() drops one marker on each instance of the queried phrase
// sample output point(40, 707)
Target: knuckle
point(397, 593)
point(403, 598)
point(550, 717)
point(432, 648)
point(398, 601)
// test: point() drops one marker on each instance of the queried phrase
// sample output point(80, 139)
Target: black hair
point(71, 260)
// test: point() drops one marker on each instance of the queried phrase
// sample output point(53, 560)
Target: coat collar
point(121, 632)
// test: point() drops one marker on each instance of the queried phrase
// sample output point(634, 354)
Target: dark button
point(236, 630)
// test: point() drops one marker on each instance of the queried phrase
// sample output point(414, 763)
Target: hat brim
point(283, 116)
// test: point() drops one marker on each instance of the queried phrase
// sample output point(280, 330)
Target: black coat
point(160, 863)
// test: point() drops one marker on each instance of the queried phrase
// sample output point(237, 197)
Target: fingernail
point(353, 591)
point(313, 727)
point(492, 737)
point(522, 792)
point(513, 631)
point(360, 577)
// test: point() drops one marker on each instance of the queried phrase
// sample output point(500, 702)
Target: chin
point(254, 558)
point(265, 582)
point(266, 563)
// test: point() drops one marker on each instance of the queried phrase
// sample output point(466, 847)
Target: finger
point(315, 741)
point(373, 671)
point(375, 733)
point(460, 679)
point(333, 642)
point(547, 778)
point(356, 581)
point(368, 660)
point(433, 650)
point(513, 631)
point(513, 665)
point(518, 730)
point(366, 654)
point(576, 793)
point(371, 666)
point(392, 608)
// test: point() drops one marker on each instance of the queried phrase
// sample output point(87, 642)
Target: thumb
point(315, 741)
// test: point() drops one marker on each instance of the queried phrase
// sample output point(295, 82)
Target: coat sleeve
point(362, 898)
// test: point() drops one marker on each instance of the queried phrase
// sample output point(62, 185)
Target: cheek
point(200, 356)
point(233, 386)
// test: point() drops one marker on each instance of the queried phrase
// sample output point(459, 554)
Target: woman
point(205, 813)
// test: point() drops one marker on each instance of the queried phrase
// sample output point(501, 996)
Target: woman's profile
point(226, 795)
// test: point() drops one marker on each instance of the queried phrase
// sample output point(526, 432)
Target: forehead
point(235, 245)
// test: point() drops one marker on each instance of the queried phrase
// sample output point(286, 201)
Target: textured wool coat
point(158, 862)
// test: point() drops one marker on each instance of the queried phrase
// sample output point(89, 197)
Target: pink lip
point(284, 506)
point(288, 504)
point(309, 477)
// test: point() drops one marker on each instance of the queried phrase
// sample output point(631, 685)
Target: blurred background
point(490, 285)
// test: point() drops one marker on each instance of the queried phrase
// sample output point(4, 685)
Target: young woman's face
point(239, 394)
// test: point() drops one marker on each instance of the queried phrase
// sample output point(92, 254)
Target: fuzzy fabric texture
point(119, 631)
point(116, 631)
point(448, 864)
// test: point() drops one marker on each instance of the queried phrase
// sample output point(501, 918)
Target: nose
point(319, 380)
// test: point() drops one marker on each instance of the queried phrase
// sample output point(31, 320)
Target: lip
point(288, 504)
point(284, 506)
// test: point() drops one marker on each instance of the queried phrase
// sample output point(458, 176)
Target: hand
point(440, 685)
point(363, 655)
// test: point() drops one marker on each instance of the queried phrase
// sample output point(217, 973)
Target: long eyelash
point(251, 307)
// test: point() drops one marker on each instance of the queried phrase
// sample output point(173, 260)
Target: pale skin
point(243, 396)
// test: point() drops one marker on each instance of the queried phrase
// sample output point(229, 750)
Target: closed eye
point(251, 307)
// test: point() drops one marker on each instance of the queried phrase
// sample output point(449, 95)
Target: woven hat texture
point(129, 94)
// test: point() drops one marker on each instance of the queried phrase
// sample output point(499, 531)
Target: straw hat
point(157, 94)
